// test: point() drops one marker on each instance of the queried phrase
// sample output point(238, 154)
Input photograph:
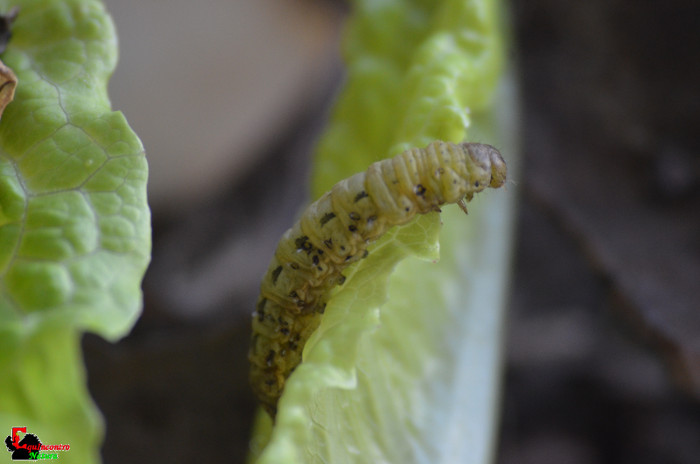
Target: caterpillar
point(334, 232)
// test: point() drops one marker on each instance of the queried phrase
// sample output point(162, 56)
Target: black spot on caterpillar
point(335, 231)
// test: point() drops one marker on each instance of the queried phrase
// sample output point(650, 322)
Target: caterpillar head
point(489, 159)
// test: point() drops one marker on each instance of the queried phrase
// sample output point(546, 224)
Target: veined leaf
point(74, 222)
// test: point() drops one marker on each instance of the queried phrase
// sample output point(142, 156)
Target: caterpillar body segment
point(334, 232)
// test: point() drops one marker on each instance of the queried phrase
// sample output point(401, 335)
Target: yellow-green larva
point(335, 231)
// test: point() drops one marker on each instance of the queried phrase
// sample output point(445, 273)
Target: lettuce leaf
point(405, 365)
point(74, 220)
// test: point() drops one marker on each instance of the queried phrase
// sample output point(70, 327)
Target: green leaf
point(74, 221)
point(75, 225)
point(43, 389)
point(405, 364)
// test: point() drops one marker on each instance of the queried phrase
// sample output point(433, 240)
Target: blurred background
point(603, 342)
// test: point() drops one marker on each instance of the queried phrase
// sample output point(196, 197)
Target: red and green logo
point(25, 446)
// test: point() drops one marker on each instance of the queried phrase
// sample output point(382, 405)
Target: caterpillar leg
point(463, 205)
